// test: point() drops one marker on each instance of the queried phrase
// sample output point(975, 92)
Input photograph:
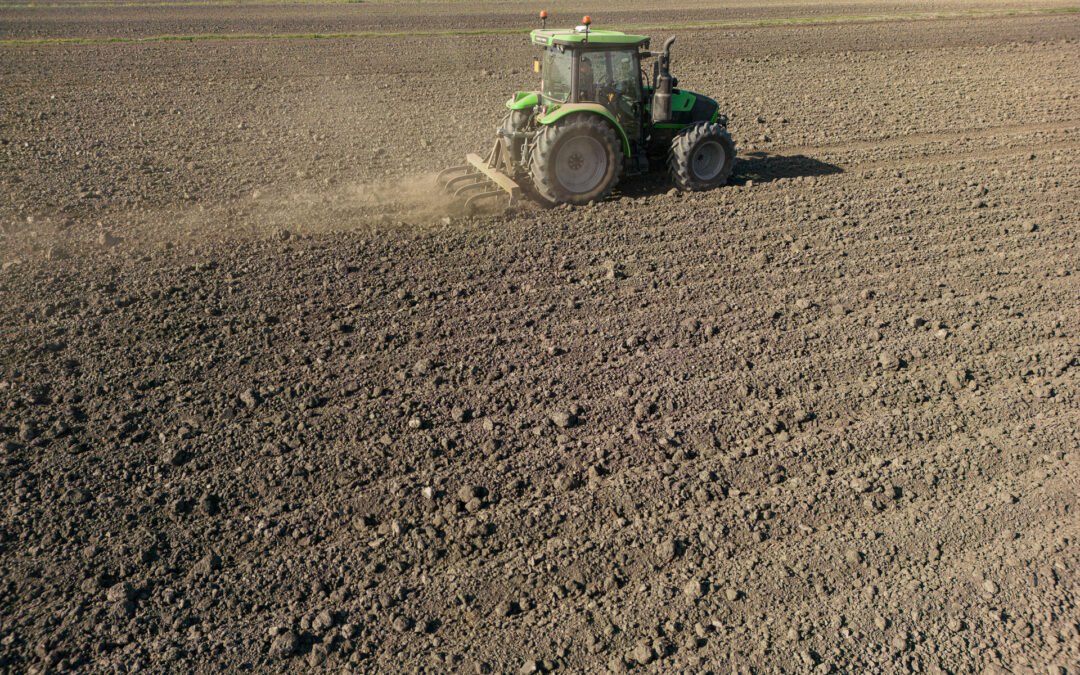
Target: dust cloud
point(409, 202)
point(416, 202)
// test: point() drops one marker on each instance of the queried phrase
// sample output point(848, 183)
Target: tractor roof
point(594, 39)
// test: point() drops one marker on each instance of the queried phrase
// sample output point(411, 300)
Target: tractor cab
point(593, 66)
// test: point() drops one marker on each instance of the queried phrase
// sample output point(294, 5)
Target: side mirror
point(674, 82)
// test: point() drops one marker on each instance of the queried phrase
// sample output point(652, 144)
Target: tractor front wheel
point(702, 157)
point(576, 161)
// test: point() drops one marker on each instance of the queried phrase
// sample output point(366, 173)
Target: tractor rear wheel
point(576, 161)
point(702, 157)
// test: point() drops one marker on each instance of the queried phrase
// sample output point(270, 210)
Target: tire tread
point(546, 186)
point(679, 156)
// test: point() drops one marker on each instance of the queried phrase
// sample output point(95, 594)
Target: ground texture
point(268, 405)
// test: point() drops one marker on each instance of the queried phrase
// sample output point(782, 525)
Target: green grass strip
point(167, 3)
point(518, 31)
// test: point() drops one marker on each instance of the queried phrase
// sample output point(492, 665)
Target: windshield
point(555, 76)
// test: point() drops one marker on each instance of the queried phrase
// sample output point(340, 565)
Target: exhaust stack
point(661, 101)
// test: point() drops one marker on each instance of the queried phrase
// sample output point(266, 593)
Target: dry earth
point(270, 406)
point(38, 19)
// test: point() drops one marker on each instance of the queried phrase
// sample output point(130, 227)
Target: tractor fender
point(591, 108)
point(523, 100)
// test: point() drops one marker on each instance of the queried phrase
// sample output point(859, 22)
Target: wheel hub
point(581, 164)
point(708, 160)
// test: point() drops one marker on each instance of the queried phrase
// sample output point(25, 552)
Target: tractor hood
point(687, 107)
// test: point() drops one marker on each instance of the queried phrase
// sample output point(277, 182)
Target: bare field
point(269, 405)
point(89, 19)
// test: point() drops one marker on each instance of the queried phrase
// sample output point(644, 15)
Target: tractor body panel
point(523, 100)
point(687, 107)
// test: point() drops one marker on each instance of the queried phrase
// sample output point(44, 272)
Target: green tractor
point(595, 119)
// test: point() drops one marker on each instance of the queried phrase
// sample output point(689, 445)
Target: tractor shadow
point(759, 167)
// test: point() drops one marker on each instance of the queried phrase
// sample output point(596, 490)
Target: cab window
point(604, 77)
point(555, 75)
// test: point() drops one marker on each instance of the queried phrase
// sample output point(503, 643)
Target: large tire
point(577, 160)
point(702, 157)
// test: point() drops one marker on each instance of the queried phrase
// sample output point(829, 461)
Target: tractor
point(595, 119)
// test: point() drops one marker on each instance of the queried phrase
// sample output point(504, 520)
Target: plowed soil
point(270, 404)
